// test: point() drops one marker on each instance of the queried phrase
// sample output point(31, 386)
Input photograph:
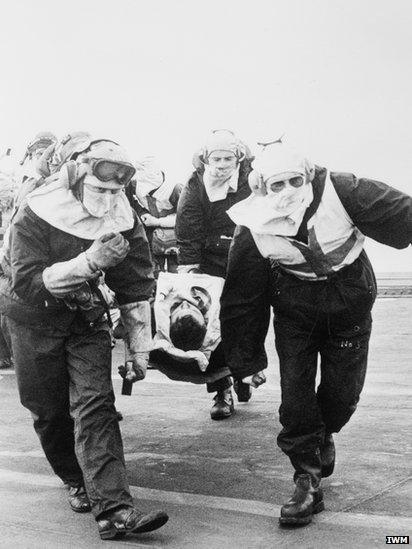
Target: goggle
point(110, 170)
point(278, 186)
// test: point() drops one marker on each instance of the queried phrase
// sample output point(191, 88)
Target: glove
point(107, 251)
point(150, 220)
point(257, 379)
point(136, 320)
point(135, 368)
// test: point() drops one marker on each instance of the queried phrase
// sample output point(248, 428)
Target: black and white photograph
point(205, 274)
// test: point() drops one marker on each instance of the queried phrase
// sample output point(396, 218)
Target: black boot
point(78, 499)
point(223, 406)
point(127, 520)
point(305, 502)
point(243, 390)
point(327, 455)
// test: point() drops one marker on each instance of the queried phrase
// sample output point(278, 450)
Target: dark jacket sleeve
point(174, 197)
point(132, 279)
point(378, 210)
point(29, 256)
point(190, 229)
point(245, 306)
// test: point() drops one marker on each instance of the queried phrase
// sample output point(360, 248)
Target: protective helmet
point(221, 140)
point(280, 159)
point(108, 161)
point(42, 140)
point(73, 144)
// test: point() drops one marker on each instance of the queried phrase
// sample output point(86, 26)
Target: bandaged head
point(282, 174)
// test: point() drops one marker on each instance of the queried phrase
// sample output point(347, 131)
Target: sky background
point(334, 75)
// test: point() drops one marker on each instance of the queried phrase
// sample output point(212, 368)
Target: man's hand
point(135, 368)
point(257, 379)
point(107, 251)
point(150, 220)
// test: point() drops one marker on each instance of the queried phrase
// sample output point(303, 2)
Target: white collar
point(57, 205)
point(216, 189)
point(256, 213)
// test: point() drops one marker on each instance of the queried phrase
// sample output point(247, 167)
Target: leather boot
point(305, 502)
point(223, 406)
point(242, 390)
point(128, 520)
point(79, 500)
point(327, 455)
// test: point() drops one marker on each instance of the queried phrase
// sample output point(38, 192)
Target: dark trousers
point(219, 385)
point(327, 322)
point(64, 379)
point(5, 345)
point(166, 263)
point(307, 412)
point(217, 361)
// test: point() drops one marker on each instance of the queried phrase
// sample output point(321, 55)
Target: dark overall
point(63, 356)
point(328, 320)
point(316, 321)
point(331, 321)
point(64, 379)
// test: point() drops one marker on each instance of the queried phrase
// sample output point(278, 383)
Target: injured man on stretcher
point(186, 345)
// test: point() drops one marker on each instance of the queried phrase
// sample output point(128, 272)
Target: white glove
point(136, 320)
point(66, 277)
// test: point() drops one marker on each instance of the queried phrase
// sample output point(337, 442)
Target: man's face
point(187, 328)
point(99, 197)
point(274, 185)
point(286, 194)
point(185, 308)
point(102, 187)
point(222, 163)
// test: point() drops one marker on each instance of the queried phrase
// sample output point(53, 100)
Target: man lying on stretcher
point(187, 308)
